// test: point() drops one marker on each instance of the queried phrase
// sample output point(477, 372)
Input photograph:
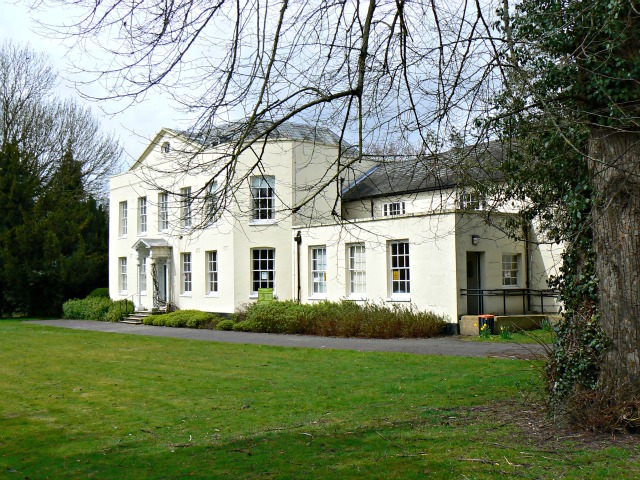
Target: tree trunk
point(614, 163)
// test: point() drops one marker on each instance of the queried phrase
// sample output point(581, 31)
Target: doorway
point(163, 282)
point(475, 304)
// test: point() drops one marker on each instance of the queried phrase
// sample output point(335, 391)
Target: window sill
point(122, 293)
point(316, 298)
point(122, 237)
point(258, 223)
point(143, 293)
point(398, 299)
point(142, 234)
point(212, 295)
point(359, 298)
point(186, 294)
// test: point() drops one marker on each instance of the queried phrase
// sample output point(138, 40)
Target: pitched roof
point(233, 131)
point(424, 173)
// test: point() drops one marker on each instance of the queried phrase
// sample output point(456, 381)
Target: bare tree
point(46, 128)
point(378, 72)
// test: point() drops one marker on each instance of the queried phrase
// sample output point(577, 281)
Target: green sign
point(265, 294)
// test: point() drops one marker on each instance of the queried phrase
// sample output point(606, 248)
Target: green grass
point(80, 404)
point(532, 336)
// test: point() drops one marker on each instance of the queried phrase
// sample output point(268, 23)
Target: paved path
point(429, 346)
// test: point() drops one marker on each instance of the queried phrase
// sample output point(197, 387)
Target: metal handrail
point(511, 292)
point(121, 303)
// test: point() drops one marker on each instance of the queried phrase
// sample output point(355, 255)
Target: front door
point(474, 300)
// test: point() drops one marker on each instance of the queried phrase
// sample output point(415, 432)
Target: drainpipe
point(527, 248)
point(298, 239)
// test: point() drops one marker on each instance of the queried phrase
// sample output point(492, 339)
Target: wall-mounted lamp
point(475, 239)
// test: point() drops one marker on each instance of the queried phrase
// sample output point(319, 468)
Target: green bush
point(244, 326)
point(99, 292)
point(94, 308)
point(277, 317)
point(120, 309)
point(340, 319)
point(184, 319)
point(225, 325)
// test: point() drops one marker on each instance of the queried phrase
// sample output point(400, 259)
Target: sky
point(135, 127)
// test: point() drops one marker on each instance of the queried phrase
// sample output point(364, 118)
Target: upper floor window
point(211, 203)
point(142, 215)
point(399, 269)
point(186, 273)
point(212, 272)
point(263, 269)
point(263, 198)
point(185, 199)
point(163, 211)
point(356, 270)
point(123, 218)
point(318, 271)
point(166, 147)
point(470, 201)
point(392, 209)
point(510, 264)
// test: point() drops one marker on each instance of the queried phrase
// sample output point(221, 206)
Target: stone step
point(131, 321)
point(136, 318)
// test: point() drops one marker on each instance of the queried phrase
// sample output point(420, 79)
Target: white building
point(399, 233)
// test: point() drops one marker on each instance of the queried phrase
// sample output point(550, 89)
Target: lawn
point(98, 405)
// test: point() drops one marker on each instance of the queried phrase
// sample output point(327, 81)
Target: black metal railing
point(526, 293)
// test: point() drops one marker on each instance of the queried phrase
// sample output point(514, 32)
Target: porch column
point(153, 268)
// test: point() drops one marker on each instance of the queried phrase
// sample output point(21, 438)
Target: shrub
point(276, 317)
point(184, 318)
point(340, 319)
point(99, 292)
point(94, 308)
point(244, 326)
point(120, 309)
point(225, 325)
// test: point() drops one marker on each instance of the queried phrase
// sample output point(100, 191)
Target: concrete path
point(429, 346)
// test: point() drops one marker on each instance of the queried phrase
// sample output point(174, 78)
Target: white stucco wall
point(438, 237)
point(233, 236)
point(432, 259)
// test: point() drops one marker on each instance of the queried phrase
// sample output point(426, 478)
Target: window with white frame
point(399, 275)
point(470, 201)
point(186, 273)
point(392, 209)
point(123, 274)
point(185, 198)
point(166, 147)
point(123, 218)
point(510, 264)
point(142, 276)
point(142, 215)
point(263, 198)
point(211, 204)
point(263, 268)
point(212, 272)
point(356, 266)
point(163, 211)
point(318, 271)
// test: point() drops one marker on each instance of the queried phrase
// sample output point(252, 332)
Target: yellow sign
point(396, 275)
